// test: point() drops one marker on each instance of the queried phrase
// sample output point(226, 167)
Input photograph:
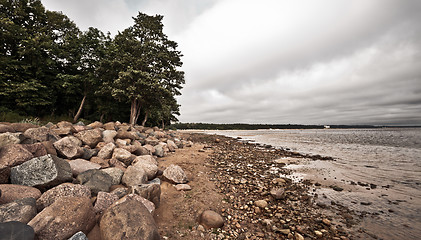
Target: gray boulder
point(109, 135)
point(152, 192)
point(149, 168)
point(9, 138)
point(42, 172)
point(41, 134)
point(96, 180)
point(115, 173)
point(123, 156)
point(16, 230)
point(21, 210)
point(80, 165)
point(134, 176)
point(159, 150)
point(106, 151)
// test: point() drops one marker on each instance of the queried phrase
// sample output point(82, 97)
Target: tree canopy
point(49, 67)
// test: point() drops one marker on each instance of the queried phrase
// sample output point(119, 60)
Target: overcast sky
point(275, 61)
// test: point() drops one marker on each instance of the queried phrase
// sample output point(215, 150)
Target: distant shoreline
point(244, 126)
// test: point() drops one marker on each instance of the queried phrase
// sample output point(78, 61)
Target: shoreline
point(246, 173)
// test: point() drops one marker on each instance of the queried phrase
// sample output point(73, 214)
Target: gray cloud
point(322, 62)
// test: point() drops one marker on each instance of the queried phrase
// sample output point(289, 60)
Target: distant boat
point(327, 126)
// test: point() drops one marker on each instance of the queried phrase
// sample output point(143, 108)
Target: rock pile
point(60, 180)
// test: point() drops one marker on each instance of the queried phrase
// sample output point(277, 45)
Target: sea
point(379, 170)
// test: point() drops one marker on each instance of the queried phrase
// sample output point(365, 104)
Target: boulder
point(171, 145)
point(10, 156)
point(22, 127)
point(8, 138)
point(96, 180)
point(159, 150)
point(16, 231)
point(122, 142)
point(182, 187)
point(128, 220)
point(96, 124)
point(211, 219)
point(89, 153)
point(65, 217)
point(90, 137)
point(104, 200)
point(109, 126)
point(21, 210)
point(109, 135)
point(37, 149)
point(122, 134)
point(151, 141)
point(64, 131)
point(175, 174)
point(115, 173)
point(42, 172)
point(79, 236)
point(120, 191)
point(140, 150)
point(6, 128)
point(62, 190)
point(148, 204)
point(123, 156)
point(149, 168)
point(134, 176)
point(80, 165)
point(150, 149)
point(49, 147)
point(102, 162)
point(115, 163)
point(69, 147)
point(152, 192)
point(64, 124)
point(107, 151)
point(41, 134)
point(12, 192)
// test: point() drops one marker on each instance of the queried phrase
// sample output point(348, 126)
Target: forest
point(50, 69)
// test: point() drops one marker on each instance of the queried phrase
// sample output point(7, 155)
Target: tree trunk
point(134, 111)
point(163, 124)
point(80, 109)
point(145, 119)
point(102, 117)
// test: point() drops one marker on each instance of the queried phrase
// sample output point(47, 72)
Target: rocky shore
point(115, 181)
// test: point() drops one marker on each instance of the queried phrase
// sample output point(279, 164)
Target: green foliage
point(48, 67)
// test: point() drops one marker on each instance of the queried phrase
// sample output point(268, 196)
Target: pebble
point(261, 203)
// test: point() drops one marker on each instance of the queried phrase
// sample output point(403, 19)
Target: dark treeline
point(48, 67)
point(244, 126)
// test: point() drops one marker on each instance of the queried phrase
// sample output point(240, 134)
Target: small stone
point(284, 231)
point(318, 234)
point(326, 221)
point(211, 219)
point(79, 236)
point(182, 187)
point(298, 236)
point(261, 203)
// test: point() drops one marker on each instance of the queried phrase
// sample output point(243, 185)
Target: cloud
point(278, 61)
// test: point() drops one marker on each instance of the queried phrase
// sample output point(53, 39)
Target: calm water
point(388, 158)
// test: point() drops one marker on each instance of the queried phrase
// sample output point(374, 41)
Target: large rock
point(149, 148)
point(21, 210)
point(69, 147)
point(49, 147)
point(62, 190)
point(88, 153)
point(121, 134)
point(175, 174)
point(152, 192)
point(123, 156)
point(6, 128)
point(115, 173)
point(90, 137)
point(150, 168)
point(134, 176)
point(109, 135)
point(10, 156)
point(16, 231)
point(96, 180)
point(13, 155)
point(96, 124)
point(151, 141)
point(109, 126)
point(37, 149)
point(171, 145)
point(41, 134)
point(64, 131)
point(64, 218)
point(42, 172)
point(12, 192)
point(140, 150)
point(8, 138)
point(159, 150)
point(128, 220)
point(106, 151)
point(211, 219)
point(81, 165)
point(148, 204)
point(22, 127)
point(145, 159)
point(104, 200)
point(104, 163)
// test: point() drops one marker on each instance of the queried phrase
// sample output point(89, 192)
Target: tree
point(146, 63)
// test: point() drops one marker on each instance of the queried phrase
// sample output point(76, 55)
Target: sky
point(283, 62)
